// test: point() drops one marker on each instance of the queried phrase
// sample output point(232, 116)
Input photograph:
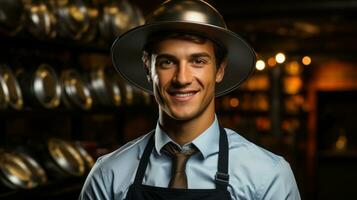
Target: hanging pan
point(4, 94)
point(14, 91)
point(73, 17)
point(41, 86)
point(75, 90)
point(64, 158)
point(115, 19)
point(20, 171)
point(11, 16)
point(105, 87)
point(93, 14)
point(40, 21)
point(86, 157)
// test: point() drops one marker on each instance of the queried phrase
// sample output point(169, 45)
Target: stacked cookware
point(46, 87)
point(78, 20)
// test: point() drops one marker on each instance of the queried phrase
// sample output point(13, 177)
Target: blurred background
point(62, 105)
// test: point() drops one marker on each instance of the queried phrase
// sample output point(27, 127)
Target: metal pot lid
point(15, 95)
point(46, 86)
point(66, 156)
point(4, 94)
point(21, 171)
point(75, 90)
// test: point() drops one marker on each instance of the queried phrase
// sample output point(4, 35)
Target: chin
point(181, 115)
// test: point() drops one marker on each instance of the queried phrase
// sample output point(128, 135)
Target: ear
point(146, 62)
point(220, 71)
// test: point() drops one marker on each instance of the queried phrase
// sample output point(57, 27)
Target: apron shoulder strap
point(222, 176)
point(144, 159)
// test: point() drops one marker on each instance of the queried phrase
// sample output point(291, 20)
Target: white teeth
point(184, 94)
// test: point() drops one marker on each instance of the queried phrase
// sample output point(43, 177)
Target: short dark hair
point(219, 51)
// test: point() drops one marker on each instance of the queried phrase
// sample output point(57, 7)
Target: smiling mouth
point(182, 95)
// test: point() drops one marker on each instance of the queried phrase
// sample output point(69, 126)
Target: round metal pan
point(75, 90)
point(20, 171)
point(137, 17)
point(4, 94)
point(87, 158)
point(13, 87)
point(115, 19)
point(116, 88)
point(105, 87)
point(66, 157)
point(11, 16)
point(41, 86)
point(93, 14)
point(73, 17)
point(40, 21)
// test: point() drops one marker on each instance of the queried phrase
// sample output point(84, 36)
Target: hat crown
point(193, 11)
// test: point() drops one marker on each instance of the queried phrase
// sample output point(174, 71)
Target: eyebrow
point(198, 55)
point(194, 55)
point(164, 55)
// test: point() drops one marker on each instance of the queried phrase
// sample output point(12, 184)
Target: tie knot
point(174, 151)
point(179, 159)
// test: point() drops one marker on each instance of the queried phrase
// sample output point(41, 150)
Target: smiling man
point(184, 71)
point(185, 56)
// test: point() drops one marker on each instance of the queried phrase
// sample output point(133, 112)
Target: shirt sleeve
point(96, 184)
point(281, 184)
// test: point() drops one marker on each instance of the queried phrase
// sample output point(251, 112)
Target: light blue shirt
point(255, 173)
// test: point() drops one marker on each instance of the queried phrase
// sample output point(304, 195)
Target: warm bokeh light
point(271, 62)
point(306, 60)
point(293, 68)
point(234, 102)
point(260, 65)
point(280, 58)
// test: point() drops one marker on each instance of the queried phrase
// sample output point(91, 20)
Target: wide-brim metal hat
point(192, 16)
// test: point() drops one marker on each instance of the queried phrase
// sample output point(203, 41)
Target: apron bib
point(138, 191)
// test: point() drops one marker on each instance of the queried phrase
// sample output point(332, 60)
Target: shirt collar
point(207, 143)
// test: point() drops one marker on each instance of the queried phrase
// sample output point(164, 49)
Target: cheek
point(206, 76)
point(162, 78)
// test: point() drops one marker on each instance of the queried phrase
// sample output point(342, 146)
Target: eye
point(199, 61)
point(165, 63)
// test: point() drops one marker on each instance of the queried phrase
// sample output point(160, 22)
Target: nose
point(183, 75)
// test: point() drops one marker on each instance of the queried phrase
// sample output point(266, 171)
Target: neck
point(185, 131)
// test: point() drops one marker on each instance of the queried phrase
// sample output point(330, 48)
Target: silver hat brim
point(127, 51)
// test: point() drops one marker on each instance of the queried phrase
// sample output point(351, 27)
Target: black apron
point(138, 191)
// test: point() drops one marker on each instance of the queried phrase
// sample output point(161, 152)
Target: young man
point(186, 56)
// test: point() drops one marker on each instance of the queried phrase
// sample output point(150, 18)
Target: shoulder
point(265, 173)
point(126, 154)
point(113, 173)
point(252, 153)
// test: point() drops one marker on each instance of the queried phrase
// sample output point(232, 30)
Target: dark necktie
point(179, 160)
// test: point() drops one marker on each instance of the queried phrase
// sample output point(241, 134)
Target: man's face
point(184, 75)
